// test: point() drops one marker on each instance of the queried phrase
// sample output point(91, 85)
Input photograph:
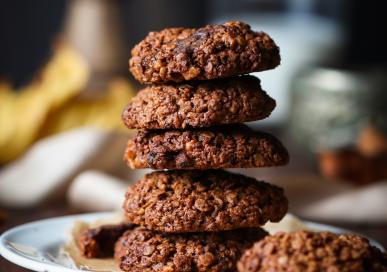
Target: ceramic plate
point(37, 245)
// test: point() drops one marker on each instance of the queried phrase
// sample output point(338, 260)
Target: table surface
point(300, 164)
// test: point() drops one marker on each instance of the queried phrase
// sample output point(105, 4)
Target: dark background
point(27, 28)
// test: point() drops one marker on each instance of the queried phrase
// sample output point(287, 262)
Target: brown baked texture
point(213, 51)
point(198, 104)
point(235, 146)
point(99, 242)
point(144, 251)
point(202, 200)
point(313, 251)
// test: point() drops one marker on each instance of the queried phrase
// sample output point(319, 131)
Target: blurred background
point(64, 81)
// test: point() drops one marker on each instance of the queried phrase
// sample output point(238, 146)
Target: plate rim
point(39, 266)
point(34, 264)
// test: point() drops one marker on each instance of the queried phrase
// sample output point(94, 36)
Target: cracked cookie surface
point(213, 51)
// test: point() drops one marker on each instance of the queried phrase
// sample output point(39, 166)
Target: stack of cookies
point(196, 216)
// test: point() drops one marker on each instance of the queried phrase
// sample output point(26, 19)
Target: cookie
point(213, 51)
point(198, 104)
point(311, 251)
point(235, 146)
point(99, 242)
point(207, 200)
point(145, 251)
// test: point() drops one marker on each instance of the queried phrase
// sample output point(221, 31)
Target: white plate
point(37, 245)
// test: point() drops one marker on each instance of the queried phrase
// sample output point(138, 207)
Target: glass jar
point(330, 106)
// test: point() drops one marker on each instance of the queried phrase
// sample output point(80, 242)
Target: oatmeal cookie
point(313, 251)
point(213, 51)
point(99, 242)
point(235, 146)
point(198, 104)
point(207, 200)
point(145, 251)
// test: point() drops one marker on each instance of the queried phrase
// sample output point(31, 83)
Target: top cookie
point(214, 51)
point(313, 251)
